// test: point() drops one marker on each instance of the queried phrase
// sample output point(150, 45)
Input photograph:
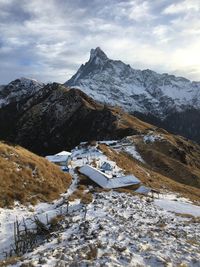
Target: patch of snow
point(178, 207)
point(151, 138)
point(125, 144)
point(131, 150)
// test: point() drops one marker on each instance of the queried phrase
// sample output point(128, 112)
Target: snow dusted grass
point(131, 150)
point(115, 229)
point(121, 230)
point(20, 212)
point(125, 145)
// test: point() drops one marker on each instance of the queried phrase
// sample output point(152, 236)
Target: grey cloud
point(48, 40)
point(13, 13)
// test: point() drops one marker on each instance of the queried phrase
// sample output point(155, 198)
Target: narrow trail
point(74, 183)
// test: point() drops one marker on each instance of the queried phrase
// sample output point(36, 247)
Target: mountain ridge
point(139, 87)
point(18, 89)
point(144, 93)
point(56, 118)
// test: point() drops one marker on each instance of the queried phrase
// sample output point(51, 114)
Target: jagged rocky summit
point(166, 100)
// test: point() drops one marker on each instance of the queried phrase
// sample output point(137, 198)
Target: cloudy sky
point(49, 39)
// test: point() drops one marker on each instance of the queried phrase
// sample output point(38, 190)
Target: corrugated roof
point(60, 157)
point(102, 180)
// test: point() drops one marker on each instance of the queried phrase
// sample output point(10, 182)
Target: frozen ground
point(121, 230)
point(179, 207)
point(19, 212)
point(151, 137)
point(126, 145)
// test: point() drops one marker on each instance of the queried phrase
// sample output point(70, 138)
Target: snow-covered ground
point(125, 145)
point(19, 212)
point(121, 230)
point(131, 150)
point(178, 206)
point(151, 137)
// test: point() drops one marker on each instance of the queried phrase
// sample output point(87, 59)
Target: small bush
point(55, 222)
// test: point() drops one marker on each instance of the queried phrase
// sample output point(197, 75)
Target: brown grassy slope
point(122, 120)
point(151, 176)
point(26, 177)
point(127, 121)
point(173, 157)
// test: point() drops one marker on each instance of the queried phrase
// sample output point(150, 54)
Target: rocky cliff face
point(142, 92)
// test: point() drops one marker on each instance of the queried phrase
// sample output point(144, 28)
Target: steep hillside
point(58, 118)
point(185, 123)
point(166, 162)
point(26, 177)
point(12, 100)
point(157, 98)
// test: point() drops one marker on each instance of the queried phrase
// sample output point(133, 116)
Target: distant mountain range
point(162, 99)
point(53, 117)
point(74, 227)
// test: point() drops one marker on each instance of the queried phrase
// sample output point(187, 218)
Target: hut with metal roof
point(104, 181)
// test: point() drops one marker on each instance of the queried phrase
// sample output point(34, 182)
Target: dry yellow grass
point(80, 193)
point(150, 176)
point(26, 177)
point(126, 121)
point(9, 261)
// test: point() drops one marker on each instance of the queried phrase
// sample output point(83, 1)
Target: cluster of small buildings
point(103, 174)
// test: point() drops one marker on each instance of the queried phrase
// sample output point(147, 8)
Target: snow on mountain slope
point(145, 91)
point(18, 90)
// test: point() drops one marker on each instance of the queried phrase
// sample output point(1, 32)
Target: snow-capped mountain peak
point(28, 81)
point(145, 91)
point(97, 54)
